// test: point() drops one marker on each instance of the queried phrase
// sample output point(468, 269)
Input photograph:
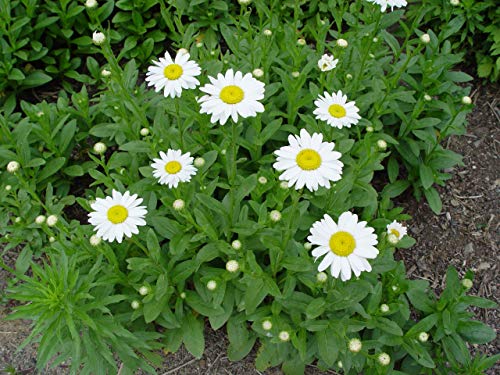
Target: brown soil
point(465, 235)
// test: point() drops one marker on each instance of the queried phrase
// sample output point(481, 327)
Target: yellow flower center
point(308, 159)
point(117, 214)
point(395, 232)
point(231, 94)
point(337, 111)
point(173, 167)
point(172, 71)
point(342, 243)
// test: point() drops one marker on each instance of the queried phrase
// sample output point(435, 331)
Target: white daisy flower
point(308, 161)
point(172, 76)
point(397, 229)
point(327, 62)
point(391, 3)
point(336, 110)
point(231, 95)
point(173, 167)
point(117, 215)
point(346, 245)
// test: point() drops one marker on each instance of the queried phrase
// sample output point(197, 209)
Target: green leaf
point(388, 326)
point(423, 326)
point(153, 246)
point(329, 345)
point(192, 335)
point(426, 176)
point(240, 340)
point(434, 200)
point(136, 146)
point(51, 167)
point(418, 353)
point(37, 78)
point(479, 302)
point(475, 332)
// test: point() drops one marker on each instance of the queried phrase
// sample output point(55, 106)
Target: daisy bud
point(295, 74)
point(212, 285)
point(267, 325)
point(40, 219)
point(467, 283)
point(98, 38)
point(267, 32)
point(427, 97)
point(257, 73)
point(244, 2)
point(340, 364)
point(199, 162)
point(144, 132)
point(384, 359)
point(199, 45)
point(372, 56)
point(275, 216)
point(212, 53)
point(384, 308)
point(39, 114)
point(89, 4)
point(17, 219)
point(423, 337)
point(105, 73)
point(466, 100)
point(348, 76)
point(262, 180)
point(223, 151)
point(13, 167)
point(454, 2)
point(182, 295)
point(321, 277)
point(308, 246)
point(425, 38)
point(284, 336)
point(52, 220)
point(393, 239)
point(178, 204)
point(100, 148)
point(8, 188)
point(381, 144)
point(342, 43)
point(395, 288)
point(284, 185)
point(236, 244)
point(232, 266)
point(94, 240)
point(135, 304)
point(301, 42)
point(143, 290)
point(355, 345)
point(369, 129)
point(52, 239)
point(182, 51)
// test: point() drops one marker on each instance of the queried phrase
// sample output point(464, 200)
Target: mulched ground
point(465, 234)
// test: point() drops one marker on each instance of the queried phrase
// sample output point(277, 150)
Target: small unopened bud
point(348, 76)
point(40, 114)
point(284, 185)
point(244, 2)
point(236, 244)
point(425, 38)
point(94, 240)
point(295, 74)
point(8, 187)
point(17, 220)
point(143, 290)
point(262, 180)
point(342, 43)
point(372, 56)
point(395, 288)
point(89, 4)
point(340, 364)
point(105, 73)
point(232, 266)
point(284, 336)
point(199, 45)
point(52, 239)
point(369, 129)
point(13, 167)
point(423, 336)
point(427, 97)
point(40, 219)
point(100, 148)
point(199, 162)
point(212, 285)
point(275, 216)
point(384, 359)
point(301, 42)
point(144, 132)
point(355, 345)
point(257, 73)
point(98, 38)
point(321, 277)
point(393, 239)
point(466, 100)
point(384, 308)
point(267, 32)
point(454, 2)
point(467, 283)
point(267, 325)
point(135, 304)
point(308, 246)
point(182, 295)
point(381, 144)
point(223, 151)
point(182, 51)
point(178, 204)
point(52, 220)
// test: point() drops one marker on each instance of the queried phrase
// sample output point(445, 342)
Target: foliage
point(90, 302)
